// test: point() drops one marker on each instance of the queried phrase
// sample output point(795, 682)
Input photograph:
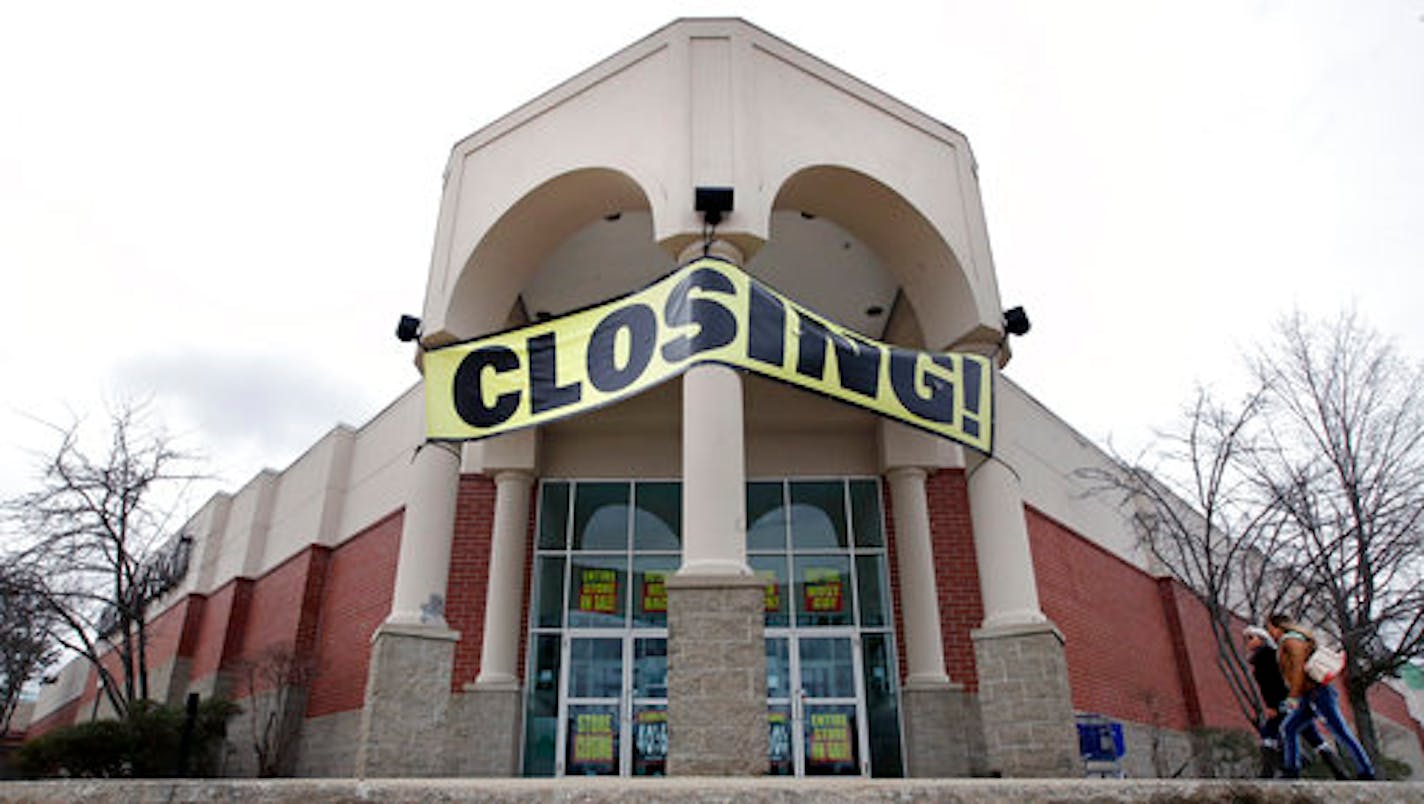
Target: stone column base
point(717, 717)
point(407, 701)
point(943, 734)
point(1025, 702)
point(484, 731)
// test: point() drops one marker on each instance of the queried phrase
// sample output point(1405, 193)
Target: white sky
point(228, 205)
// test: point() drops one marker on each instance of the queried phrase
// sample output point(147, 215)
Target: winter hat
point(1260, 633)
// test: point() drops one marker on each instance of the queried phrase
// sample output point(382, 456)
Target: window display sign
point(650, 735)
point(655, 591)
point(598, 591)
point(822, 590)
point(830, 738)
point(708, 311)
point(773, 590)
point(779, 737)
point(593, 739)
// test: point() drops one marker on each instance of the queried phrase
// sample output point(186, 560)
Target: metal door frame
point(798, 699)
point(625, 702)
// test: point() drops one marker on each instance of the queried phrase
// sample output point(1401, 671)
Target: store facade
point(722, 574)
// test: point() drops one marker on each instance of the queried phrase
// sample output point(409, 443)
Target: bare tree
point(1346, 463)
point(92, 548)
point(1196, 509)
point(25, 647)
point(277, 681)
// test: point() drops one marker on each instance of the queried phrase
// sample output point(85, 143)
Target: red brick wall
point(356, 598)
point(220, 628)
point(961, 607)
point(192, 624)
point(1119, 644)
point(1197, 653)
point(282, 614)
point(469, 574)
point(165, 641)
point(165, 634)
point(956, 573)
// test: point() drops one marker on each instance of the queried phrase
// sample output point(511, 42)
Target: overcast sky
point(226, 206)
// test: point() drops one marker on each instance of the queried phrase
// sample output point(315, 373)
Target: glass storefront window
point(598, 588)
point(595, 668)
point(778, 667)
point(650, 574)
point(772, 570)
point(865, 513)
point(650, 668)
point(549, 585)
point(826, 668)
point(553, 516)
point(596, 700)
point(874, 605)
point(657, 516)
point(766, 517)
point(882, 710)
point(601, 516)
point(818, 515)
point(541, 718)
point(823, 590)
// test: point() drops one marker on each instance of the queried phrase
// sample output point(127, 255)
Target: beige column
point(919, 597)
point(1006, 576)
point(714, 519)
point(504, 594)
point(423, 566)
point(716, 683)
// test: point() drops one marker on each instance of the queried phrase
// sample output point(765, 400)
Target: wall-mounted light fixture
point(408, 329)
point(1016, 321)
point(713, 203)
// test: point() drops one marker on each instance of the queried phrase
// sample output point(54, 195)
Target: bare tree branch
point(91, 539)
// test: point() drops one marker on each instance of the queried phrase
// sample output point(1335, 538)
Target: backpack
point(1323, 664)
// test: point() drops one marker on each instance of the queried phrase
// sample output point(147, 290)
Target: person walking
point(1307, 699)
point(1261, 655)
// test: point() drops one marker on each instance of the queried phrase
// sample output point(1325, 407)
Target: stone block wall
point(943, 733)
point(327, 746)
point(1025, 703)
point(1156, 752)
point(717, 722)
point(282, 709)
point(483, 731)
point(407, 700)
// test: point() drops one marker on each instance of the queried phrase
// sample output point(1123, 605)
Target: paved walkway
point(692, 790)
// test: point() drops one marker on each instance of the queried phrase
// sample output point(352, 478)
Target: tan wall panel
point(1044, 452)
point(380, 466)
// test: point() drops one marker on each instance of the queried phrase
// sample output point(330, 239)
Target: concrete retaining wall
point(705, 789)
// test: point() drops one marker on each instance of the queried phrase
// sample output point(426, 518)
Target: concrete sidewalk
point(693, 790)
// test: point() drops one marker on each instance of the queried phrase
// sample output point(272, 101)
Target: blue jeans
point(1321, 701)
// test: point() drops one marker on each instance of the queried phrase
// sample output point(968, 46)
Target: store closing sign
point(708, 311)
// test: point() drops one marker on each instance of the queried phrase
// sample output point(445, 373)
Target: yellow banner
point(708, 311)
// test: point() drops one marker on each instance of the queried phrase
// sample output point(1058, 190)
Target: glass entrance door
point(614, 707)
point(816, 722)
point(596, 695)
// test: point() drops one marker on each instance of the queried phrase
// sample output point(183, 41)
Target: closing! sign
point(708, 311)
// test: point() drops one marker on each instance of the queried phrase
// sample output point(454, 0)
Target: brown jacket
point(1295, 649)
